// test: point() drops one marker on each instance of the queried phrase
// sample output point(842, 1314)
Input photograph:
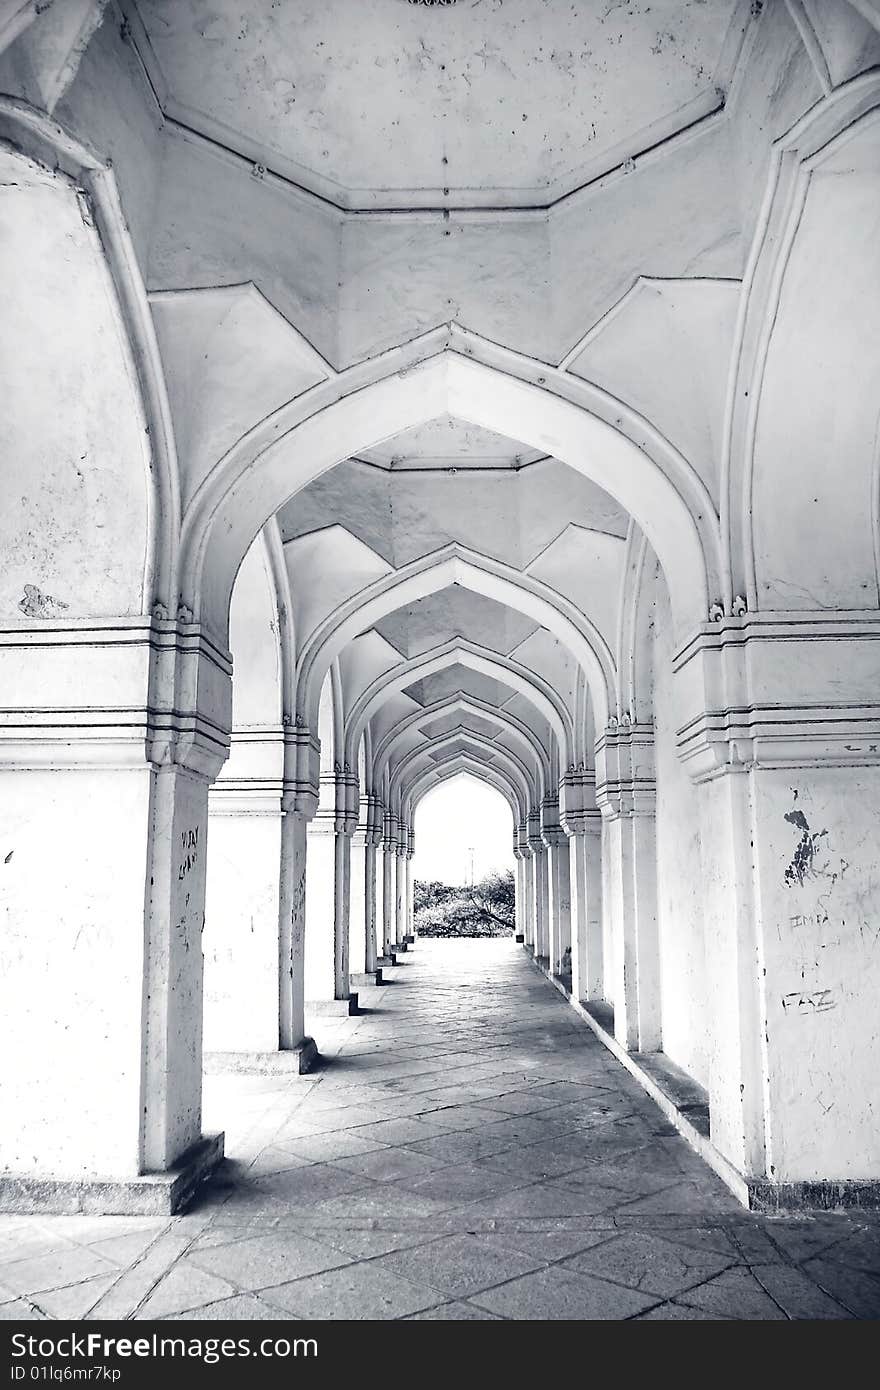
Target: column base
point(333, 1008)
point(519, 939)
point(782, 1198)
point(369, 979)
point(296, 1060)
point(402, 946)
point(409, 941)
point(149, 1194)
point(389, 959)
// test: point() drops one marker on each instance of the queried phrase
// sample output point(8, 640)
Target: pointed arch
point(469, 704)
point(452, 371)
point(429, 574)
point(480, 659)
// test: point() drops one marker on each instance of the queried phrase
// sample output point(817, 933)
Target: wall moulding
point(776, 692)
point(170, 690)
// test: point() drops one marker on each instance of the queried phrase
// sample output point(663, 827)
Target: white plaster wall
point(685, 1020)
point(71, 970)
point(218, 225)
point(402, 276)
point(816, 445)
point(241, 934)
point(72, 431)
point(819, 912)
point(674, 215)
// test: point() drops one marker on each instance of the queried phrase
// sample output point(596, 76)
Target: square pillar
point(320, 909)
point(359, 907)
point(400, 895)
point(587, 966)
point(101, 958)
point(626, 793)
point(243, 898)
point(784, 750)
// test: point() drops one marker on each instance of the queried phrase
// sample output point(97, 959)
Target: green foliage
point(484, 909)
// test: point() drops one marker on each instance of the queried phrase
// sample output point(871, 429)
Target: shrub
point(481, 909)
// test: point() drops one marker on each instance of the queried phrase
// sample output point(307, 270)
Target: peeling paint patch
point(36, 604)
point(803, 860)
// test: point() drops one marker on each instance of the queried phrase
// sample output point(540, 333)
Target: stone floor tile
point(855, 1289)
point(460, 1265)
point(359, 1291)
point(678, 1312)
point(243, 1307)
point(271, 1258)
point(365, 1244)
point(453, 1312)
point(649, 1263)
point(797, 1294)
point(55, 1270)
point(327, 1148)
point(75, 1300)
point(554, 1246)
point(136, 1282)
point(734, 1294)
point(557, 1294)
point(185, 1287)
point(20, 1311)
point(314, 1182)
point(463, 1182)
point(390, 1165)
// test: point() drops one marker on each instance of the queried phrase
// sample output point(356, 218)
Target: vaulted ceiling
point(479, 103)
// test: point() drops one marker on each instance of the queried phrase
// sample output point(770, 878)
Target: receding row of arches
point(250, 698)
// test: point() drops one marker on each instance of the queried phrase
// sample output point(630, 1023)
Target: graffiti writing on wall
point(816, 1001)
point(189, 852)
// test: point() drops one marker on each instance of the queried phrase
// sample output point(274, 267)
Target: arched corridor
point(467, 1149)
point(336, 467)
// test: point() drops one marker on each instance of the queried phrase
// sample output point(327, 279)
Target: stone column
point(320, 908)
point(329, 890)
point(541, 889)
point(292, 936)
point(410, 909)
point(626, 794)
point(373, 885)
point(528, 886)
point(359, 906)
point(786, 756)
point(103, 828)
point(389, 857)
point(559, 885)
point(582, 821)
point(519, 888)
point(243, 899)
point(400, 900)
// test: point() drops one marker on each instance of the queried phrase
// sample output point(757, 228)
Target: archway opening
point(464, 884)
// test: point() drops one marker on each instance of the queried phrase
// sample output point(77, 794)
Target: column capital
point(578, 807)
point(625, 782)
point(536, 842)
point(552, 832)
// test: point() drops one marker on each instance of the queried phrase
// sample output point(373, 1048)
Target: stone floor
point(467, 1151)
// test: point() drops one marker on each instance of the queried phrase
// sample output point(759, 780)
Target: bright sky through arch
point(461, 816)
